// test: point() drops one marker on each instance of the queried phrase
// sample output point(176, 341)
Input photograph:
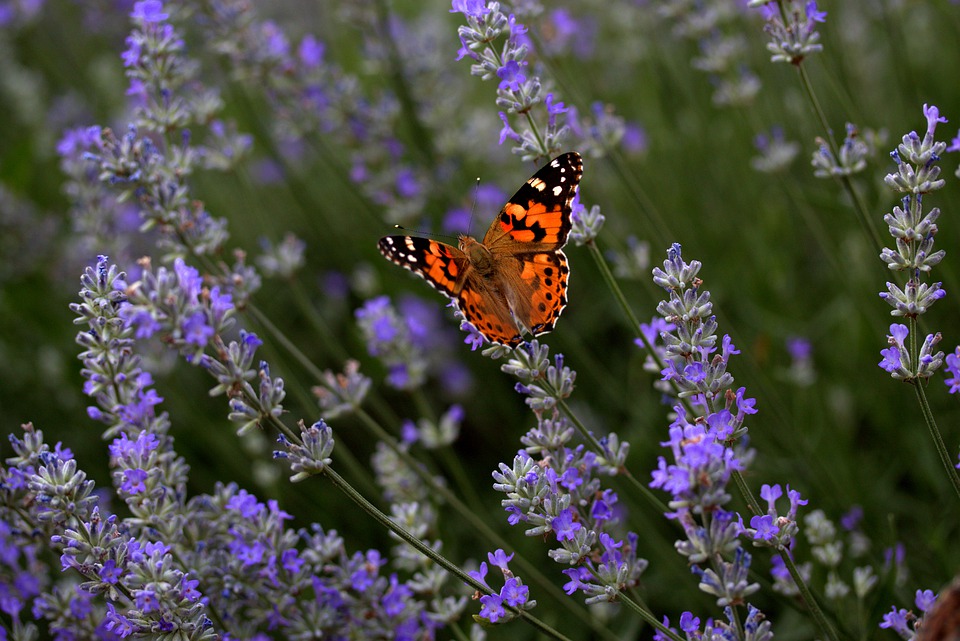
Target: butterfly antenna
point(427, 234)
point(473, 207)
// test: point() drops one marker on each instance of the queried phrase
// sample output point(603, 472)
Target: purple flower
point(852, 518)
point(891, 359)
point(196, 331)
point(689, 623)
point(141, 319)
point(188, 278)
point(564, 525)
point(310, 51)
point(953, 368)
point(511, 75)
point(480, 575)
point(897, 620)
point(395, 600)
point(220, 304)
point(799, 348)
point(500, 559)
point(117, 623)
point(925, 599)
point(246, 504)
point(492, 607)
point(514, 593)
point(148, 12)
point(131, 55)
point(189, 587)
point(766, 529)
point(634, 139)
point(471, 8)
point(554, 109)
point(110, 573)
point(507, 131)
point(770, 494)
point(932, 114)
point(601, 509)
point(133, 481)
point(577, 577)
point(813, 15)
point(146, 600)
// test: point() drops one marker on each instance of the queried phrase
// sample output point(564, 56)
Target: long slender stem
point(862, 215)
point(807, 596)
point(942, 451)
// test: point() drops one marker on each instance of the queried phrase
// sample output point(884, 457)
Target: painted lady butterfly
point(516, 279)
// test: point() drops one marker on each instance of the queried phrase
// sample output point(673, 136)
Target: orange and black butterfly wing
point(537, 217)
point(443, 266)
point(551, 274)
point(488, 312)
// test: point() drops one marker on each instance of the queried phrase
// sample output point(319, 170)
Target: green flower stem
point(862, 215)
point(615, 289)
point(807, 596)
point(746, 494)
point(937, 438)
point(341, 484)
point(647, 616)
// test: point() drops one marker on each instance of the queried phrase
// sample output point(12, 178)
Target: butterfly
point(515, 280)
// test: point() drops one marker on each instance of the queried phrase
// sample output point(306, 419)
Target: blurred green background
point(783, 255)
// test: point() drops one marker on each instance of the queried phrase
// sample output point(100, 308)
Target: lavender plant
point(293, 446)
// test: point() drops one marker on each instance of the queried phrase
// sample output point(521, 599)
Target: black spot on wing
point(554, 185)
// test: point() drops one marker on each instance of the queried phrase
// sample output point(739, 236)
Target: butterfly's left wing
point(537, 217)
point(443, 266)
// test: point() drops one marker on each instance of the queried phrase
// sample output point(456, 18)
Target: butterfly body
point(515, 279)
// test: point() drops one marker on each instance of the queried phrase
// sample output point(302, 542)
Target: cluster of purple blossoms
point(696, 372)
point(513, 593)
point(141, 575)
point(708, 446)
point(853, 154)
point(129, 583)
point(754, 627)
point(143, 173)
point(555, 487)
point(520, 91)
point(914, 231)
point(792, 28)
